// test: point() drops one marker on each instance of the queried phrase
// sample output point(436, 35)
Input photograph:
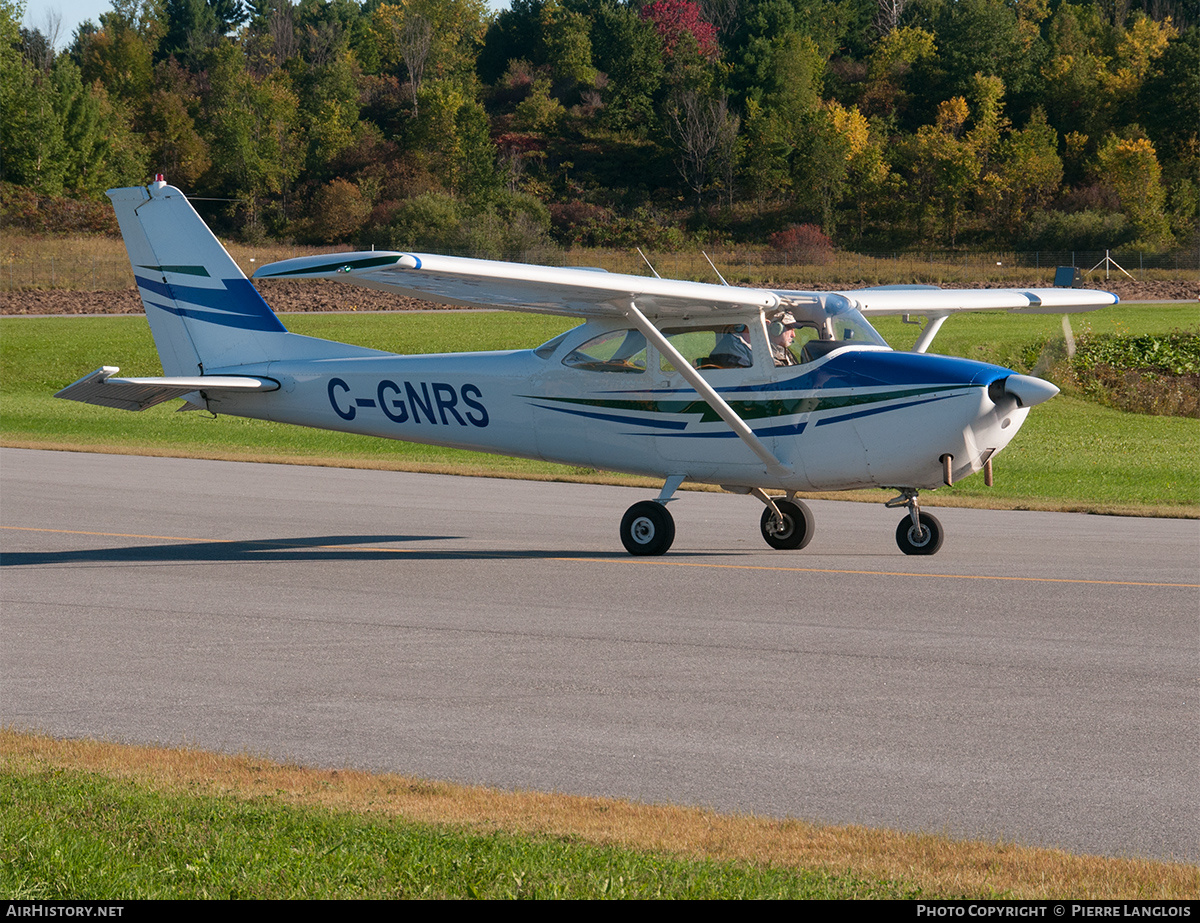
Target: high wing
point(100, 388)
point(587, 293)
point(591, 293)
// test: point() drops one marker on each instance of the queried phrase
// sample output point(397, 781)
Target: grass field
point(1071, 454)
point(111, 822)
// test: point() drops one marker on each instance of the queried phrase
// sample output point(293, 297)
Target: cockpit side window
point(614, 351)
point(726, 346)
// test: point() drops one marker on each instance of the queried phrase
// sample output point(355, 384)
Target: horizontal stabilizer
point(102, 389)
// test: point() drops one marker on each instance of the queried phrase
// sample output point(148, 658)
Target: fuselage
point(848, 416)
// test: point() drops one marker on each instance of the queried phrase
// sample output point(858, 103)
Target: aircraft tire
point(911, 542)
point(647, 528)
point(797, 529)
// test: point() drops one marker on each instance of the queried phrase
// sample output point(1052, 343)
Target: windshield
point(831, 317)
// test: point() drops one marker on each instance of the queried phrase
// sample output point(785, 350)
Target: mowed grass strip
point(1070, 455)
point(86, 819)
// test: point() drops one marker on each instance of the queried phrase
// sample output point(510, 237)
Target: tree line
point(435, 124)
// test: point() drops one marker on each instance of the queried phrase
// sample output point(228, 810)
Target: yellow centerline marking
point(901, 573)
point(659, 562)
point(166, 538)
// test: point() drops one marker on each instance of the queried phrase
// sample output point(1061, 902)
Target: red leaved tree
point(674, 19)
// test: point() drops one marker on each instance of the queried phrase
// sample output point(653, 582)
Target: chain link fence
point(109, 271)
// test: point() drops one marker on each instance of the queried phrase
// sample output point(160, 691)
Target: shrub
point(1090, 229)
point(1157, 375)
point(539, 111)
point(575, 222)
point(431, 222)
point(338, 211)
point(21, 207)
point(1175, 354)
point(802, 243)
point(644, 228)
point(514, 224)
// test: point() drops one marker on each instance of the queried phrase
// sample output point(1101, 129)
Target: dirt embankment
point(291, 297)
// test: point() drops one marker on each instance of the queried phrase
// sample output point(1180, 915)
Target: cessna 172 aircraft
point(750, 389)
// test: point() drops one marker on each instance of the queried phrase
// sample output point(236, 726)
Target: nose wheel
point(925, 538)
point(917, 533)
point(647, 528)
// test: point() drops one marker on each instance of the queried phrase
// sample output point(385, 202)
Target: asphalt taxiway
point(1035, 681)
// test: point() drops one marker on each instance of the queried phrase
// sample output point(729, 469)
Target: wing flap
point(101, 389)
point(520, 286)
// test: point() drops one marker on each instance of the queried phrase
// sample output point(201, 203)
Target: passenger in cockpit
point(732, 350)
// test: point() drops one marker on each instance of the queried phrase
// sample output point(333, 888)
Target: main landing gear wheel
point(926, 540)
point(795, 530)
point(647, 528)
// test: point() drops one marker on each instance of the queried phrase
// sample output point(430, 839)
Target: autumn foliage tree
point(675, 19)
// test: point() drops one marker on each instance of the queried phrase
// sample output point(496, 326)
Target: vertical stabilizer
point(203, 311)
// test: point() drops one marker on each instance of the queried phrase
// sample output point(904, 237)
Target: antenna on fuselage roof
point(648, 263)
point(714, 269)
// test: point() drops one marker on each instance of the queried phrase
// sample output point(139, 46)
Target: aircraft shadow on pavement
point(308, 548)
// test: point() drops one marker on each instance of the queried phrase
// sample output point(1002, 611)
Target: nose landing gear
point(917, 533)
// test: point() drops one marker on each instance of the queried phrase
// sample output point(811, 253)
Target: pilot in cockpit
point(781, 332)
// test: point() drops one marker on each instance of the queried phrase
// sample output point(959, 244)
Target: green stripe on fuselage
point(748, 410)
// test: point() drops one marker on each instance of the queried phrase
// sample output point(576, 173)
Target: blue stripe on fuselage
point(880, 368)
point(782, 429)
point(870, 368)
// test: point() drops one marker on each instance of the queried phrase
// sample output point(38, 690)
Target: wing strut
point(774, 466)
point(933, 323)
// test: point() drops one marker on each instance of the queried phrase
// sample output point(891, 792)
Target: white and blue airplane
point(749, 389)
